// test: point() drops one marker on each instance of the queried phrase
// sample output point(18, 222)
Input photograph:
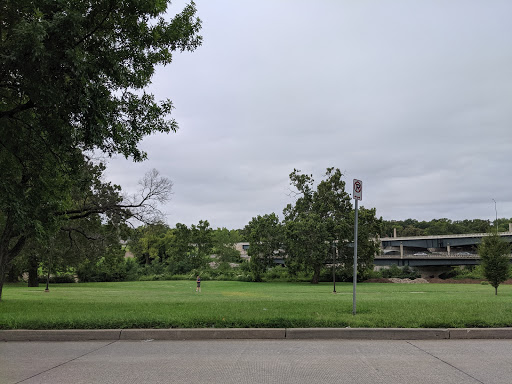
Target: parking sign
point(358, 190)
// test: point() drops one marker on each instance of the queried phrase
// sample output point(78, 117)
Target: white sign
point(358, 190)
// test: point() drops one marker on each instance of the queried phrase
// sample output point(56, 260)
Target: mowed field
point(165, 304)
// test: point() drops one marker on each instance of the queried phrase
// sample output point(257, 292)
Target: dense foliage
point(72, 79)
point(180, 250)
point(265, 235)
point(319, 223)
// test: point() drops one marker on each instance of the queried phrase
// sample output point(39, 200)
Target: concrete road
point(258, 361)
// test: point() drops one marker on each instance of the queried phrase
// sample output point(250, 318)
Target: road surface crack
point(445, 362)
point(66, 362)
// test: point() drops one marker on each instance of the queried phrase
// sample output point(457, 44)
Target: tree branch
point(20, 108)
point(71, 230)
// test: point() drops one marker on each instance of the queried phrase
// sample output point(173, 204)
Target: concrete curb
point(203, 333)
point(60, 335)
point(257, 333)
point(481, 333)
point(368, 333)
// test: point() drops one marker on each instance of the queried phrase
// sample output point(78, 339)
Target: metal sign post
point(358, 195)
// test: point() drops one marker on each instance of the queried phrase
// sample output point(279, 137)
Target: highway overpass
point(440, 250)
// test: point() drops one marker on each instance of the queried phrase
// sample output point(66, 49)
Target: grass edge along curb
point(176, 305)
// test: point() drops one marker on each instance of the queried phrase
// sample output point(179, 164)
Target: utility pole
point(496, 221)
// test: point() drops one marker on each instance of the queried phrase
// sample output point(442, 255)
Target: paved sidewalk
point(278, 361)
point(257, 333)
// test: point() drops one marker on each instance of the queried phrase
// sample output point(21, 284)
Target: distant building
point(242, 248)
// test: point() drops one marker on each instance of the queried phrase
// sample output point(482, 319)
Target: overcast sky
point(412, 97)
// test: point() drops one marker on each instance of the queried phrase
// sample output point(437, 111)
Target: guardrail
point(443, 236)
point(430, 256)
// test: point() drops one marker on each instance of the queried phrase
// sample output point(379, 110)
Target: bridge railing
point(437, 255)
point(503, 234)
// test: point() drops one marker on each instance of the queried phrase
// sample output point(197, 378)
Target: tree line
point(73, 78)
point(413, 227)
point(317, 228)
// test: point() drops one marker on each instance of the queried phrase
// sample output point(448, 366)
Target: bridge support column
point(510, 227)
point(402, 252)
point(448, 249)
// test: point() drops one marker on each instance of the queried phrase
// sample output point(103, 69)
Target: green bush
point(405, 272)
point(150, 277)
point(106, 270)
point(65, 278)
point(132, 269)
point(190, 276)
point(244, 276)
point(301, 277)
point(277, 273)
point(471, 272)
point(245, 267)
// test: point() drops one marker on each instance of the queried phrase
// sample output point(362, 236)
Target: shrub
point(471, 272)
point(276, 273)
point(244, 276)
point(66, 278)
point(104, 270)
point(405, 272)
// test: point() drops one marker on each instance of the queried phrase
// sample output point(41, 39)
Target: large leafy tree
point(318, 219)
point(201, 236)
point(323, 217)
point(72, 79)
point(265, 235)
point(94, 222)
point(149, 242)
point(180, 249)
point(224, 241)
point(495, 258)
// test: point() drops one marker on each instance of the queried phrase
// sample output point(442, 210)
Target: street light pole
point(496, 221)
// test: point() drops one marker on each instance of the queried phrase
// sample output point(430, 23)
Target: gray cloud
point(411, 97)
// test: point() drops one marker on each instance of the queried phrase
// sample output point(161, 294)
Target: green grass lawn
point(164, 304)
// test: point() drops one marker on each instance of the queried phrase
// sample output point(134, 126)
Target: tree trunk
point(2, 275)
point(3, 267)
point(33, 264)
point(6, 254)
point(496, 291)
point(12, 274)
point(316, 275)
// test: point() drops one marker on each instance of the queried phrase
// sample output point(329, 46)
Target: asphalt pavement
point(241, 361)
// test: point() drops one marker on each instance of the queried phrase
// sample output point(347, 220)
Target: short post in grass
point(334, 267)
point(48, 275)
point(358, 195)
